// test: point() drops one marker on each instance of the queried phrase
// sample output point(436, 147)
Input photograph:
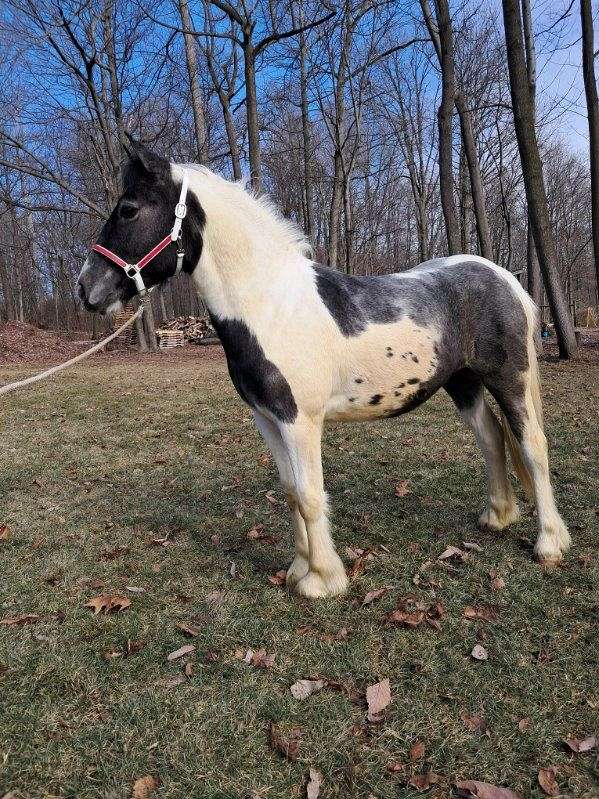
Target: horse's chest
point(258, 381)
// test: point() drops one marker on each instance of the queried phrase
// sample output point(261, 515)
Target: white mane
point(235, 211)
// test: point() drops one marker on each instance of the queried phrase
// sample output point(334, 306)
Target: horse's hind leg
point(271, 434)
point(466, 390)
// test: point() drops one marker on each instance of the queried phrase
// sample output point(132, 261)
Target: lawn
point(143, 479)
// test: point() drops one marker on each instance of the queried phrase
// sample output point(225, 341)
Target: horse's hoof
point(315, 586)
point(497, 519)
point(553, 541)
point(298, 569)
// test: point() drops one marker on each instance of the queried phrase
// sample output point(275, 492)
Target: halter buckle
point(180, 210)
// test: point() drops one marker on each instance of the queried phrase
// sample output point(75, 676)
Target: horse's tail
point(534, 387)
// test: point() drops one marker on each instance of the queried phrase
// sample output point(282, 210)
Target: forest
point(391, 131)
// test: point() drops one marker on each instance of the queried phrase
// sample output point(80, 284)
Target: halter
point(133, 271)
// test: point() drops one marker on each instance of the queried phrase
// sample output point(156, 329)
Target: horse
point(307, 344)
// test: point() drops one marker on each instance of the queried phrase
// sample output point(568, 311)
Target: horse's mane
point(257, 212)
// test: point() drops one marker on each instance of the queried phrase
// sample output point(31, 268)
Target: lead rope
point(82, 356)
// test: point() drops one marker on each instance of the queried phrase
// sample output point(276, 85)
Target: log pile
point(192, 329)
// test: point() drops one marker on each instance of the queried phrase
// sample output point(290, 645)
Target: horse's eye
point(128, 210)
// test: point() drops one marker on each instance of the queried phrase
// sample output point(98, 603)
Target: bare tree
point(590, 87)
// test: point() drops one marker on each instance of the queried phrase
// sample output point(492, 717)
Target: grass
point(106, 458)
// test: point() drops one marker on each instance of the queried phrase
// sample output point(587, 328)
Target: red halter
point(133, 270)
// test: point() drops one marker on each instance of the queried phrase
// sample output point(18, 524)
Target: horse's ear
point(143, 158)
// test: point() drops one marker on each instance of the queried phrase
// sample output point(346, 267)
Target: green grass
point(116, 454)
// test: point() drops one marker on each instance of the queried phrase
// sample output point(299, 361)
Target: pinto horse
point(305, 343)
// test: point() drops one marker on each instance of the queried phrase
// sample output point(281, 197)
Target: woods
point(391, 132)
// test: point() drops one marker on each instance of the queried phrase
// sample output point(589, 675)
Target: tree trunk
point(251, 109)
point(532, 171)
point(445, 121)
point(476, 182)
point(150, 326)
point(590, 87)
point(306, 131)
point(197, 101)
point(336, 208)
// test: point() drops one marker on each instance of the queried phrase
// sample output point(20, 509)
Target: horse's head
point(143, 216)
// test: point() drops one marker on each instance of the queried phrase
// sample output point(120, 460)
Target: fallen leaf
point(172, 682)
point(135, 589)
point(108, 603)
point(497, 584)
point(279, 578)
point(474, 723)
point(26, 618)
point(187, 629)
point(112, 554)
point(378, 696)
point(215, 540)
point(417, 751)
point(481, 612)
point(452, 552)
point(524, 724)
point(286, 745)
point(144, 787)
point(471, 546)
point(473, 789)
point(402, 488)
point(264, 459)
point(4, 532)
point(258, 533)
point(377, 593)
point(479, 653)
point(302, 689)
point(215, 598)
point(405, 618)
point(422, 782)
point(261, 659)
point(314, 784)
point(188, 670)
point(581, 746)
point(396, 768)
point(546, 778)
point(181, 652)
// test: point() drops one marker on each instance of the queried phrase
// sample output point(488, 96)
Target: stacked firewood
point(195, 329)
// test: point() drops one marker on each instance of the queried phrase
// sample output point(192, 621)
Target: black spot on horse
point(352, 399)
point(359, 380)
point(375, 399)
point(389, 355)
point(413, 380)
point(415, 358)
point(401, 385)
point(257, 380)
point(398, 393)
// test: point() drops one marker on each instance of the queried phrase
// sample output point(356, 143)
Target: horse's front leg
point(326, 574)
point(272, 436)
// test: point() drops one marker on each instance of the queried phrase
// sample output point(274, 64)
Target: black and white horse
point(305, 343)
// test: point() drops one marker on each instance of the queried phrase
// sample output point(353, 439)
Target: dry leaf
point(581, 746)
point(187, 629)
point(479, 653)
point(279, 578)
point(314, 784)
point(497, 584)
point(144, 787)
point(524, 724)
point(481, 612)
point(287, 745)
point(302, 689)
point(179, 653)
point(405, 618)
point(474, 723)
point(422, 782)
point(4, 532)
point(547, 780)
point(261, 659)
point(26, 618)
point(108, 603)
point(377, 593)
point(452, 552)
point(378, 697)
point(473, 789)
point(402, 488)
point(395, 768)
point(417, 751)
point(471, 546)
point(215, 598)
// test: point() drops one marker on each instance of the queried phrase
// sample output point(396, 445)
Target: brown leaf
point(264, 459)
point(497, 584)
point(181, 652)
point(287, 745)
point(26, 618)
point(581, 746)
point(396, 768)
point(452, 552)
point(547, 780)
point(422, 782)
point(474, 723)
point(215, 598)
point(377, 593)
point(144, 787)
point(4, 532)
point(108, 603)
point(314, 784)
point(279, 578)
point(112, 554)
point(481, 612)
point(479, 653)
point(187, 629)
point(471, 546)
point(524, 724)
point(262, 660)
point(302, 689)
point(188, 670)
point(378, 696)
point(473, 789)
point(403, 488)
point(417, 751)
point(405, 618)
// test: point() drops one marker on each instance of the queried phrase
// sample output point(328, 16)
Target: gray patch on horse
point(257, 380)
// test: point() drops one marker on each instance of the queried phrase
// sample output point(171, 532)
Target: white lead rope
point(81, 357)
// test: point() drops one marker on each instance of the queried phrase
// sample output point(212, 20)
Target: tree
point(532, 171)
point(590, 87)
